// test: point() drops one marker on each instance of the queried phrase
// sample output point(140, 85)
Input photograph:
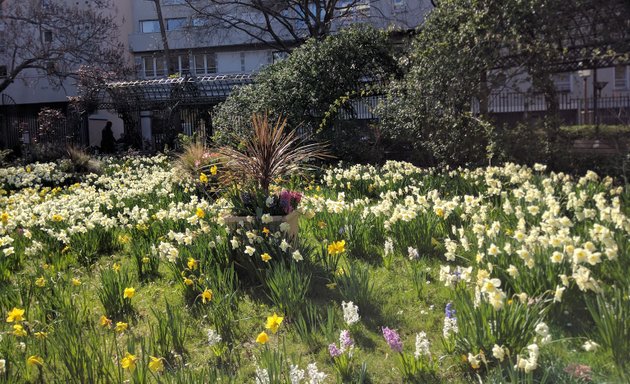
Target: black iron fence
point(512, 107)
point(20, 125)
point(515, 107)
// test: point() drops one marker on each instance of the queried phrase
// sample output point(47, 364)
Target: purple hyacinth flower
point(345, 340)
point(393, 339)
point(334, 351)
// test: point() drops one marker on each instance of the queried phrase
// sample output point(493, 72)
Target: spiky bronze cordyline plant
point(271, 152)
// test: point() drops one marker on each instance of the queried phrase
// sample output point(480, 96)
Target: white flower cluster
point(449, 327)
point(350, 312)
point(529, 363)
point(213, 337)
point(422, 345)
point(542, 330)
point(296, 375)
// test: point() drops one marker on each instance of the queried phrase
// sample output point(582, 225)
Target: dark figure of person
point(108, 143)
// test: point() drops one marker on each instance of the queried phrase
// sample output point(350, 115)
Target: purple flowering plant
point(413, 368)
point(342, 356)
point(393, 339)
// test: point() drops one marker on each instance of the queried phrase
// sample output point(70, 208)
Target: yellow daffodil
point(105, 322)
point(76, 282)
point(200, 213)
point(16, 315)
point(266, 231)
point(34, 360)
point(41, 335)
point(19, 331)
point(57, 218)
point(265, 257)
point(124, 239)
point(262, 338)
point(192, 263)
point(273, 322)
point(156, 364)
point(121, 327)
point(40, 282)
point(145, 260)
point(188, 282)
point(4, 218)
point(203, 178)
point(206, 296)
point(116, 267)
point(337, 247)
point(129, 361)
point(213, 170)
point(129, 293)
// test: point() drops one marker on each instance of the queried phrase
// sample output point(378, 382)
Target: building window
point(3, 71)
point(199, 22)
point(278, 56)
point(48, 36)
point(149, 26)
point(621, 77)
point(398, 4)
point(51, 67)
point(183, 65)
point(562, 82)
point(175, 24)
point(152, 67)
point(354, 9)
point(205, 63)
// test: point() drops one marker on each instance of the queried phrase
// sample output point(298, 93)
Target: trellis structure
point(168, 106)
point(159, 93)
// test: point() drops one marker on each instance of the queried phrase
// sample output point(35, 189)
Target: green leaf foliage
point(309, 81)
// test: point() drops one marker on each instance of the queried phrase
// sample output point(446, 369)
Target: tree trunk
point(170, 65)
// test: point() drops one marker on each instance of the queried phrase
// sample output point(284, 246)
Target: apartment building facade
point(27, 42)
point(206, 47)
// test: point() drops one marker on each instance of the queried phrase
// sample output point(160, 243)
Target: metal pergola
point(159, 93)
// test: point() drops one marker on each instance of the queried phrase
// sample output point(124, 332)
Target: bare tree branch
point(279, 24)
point(57, 39)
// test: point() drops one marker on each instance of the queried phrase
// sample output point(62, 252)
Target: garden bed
point(401, 274)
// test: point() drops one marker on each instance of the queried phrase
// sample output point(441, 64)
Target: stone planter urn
point(274, 226)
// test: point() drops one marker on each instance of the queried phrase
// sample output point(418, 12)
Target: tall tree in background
point(52, 39)
point(280, 24)
point(466, 48)
point(170, 64)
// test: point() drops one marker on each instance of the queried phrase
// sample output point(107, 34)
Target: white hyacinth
point(350, 312)
point(213, 337)
point(422, 345)
point(296, 375)
point(314, 375)
point(413, 253)
point(262, 376)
